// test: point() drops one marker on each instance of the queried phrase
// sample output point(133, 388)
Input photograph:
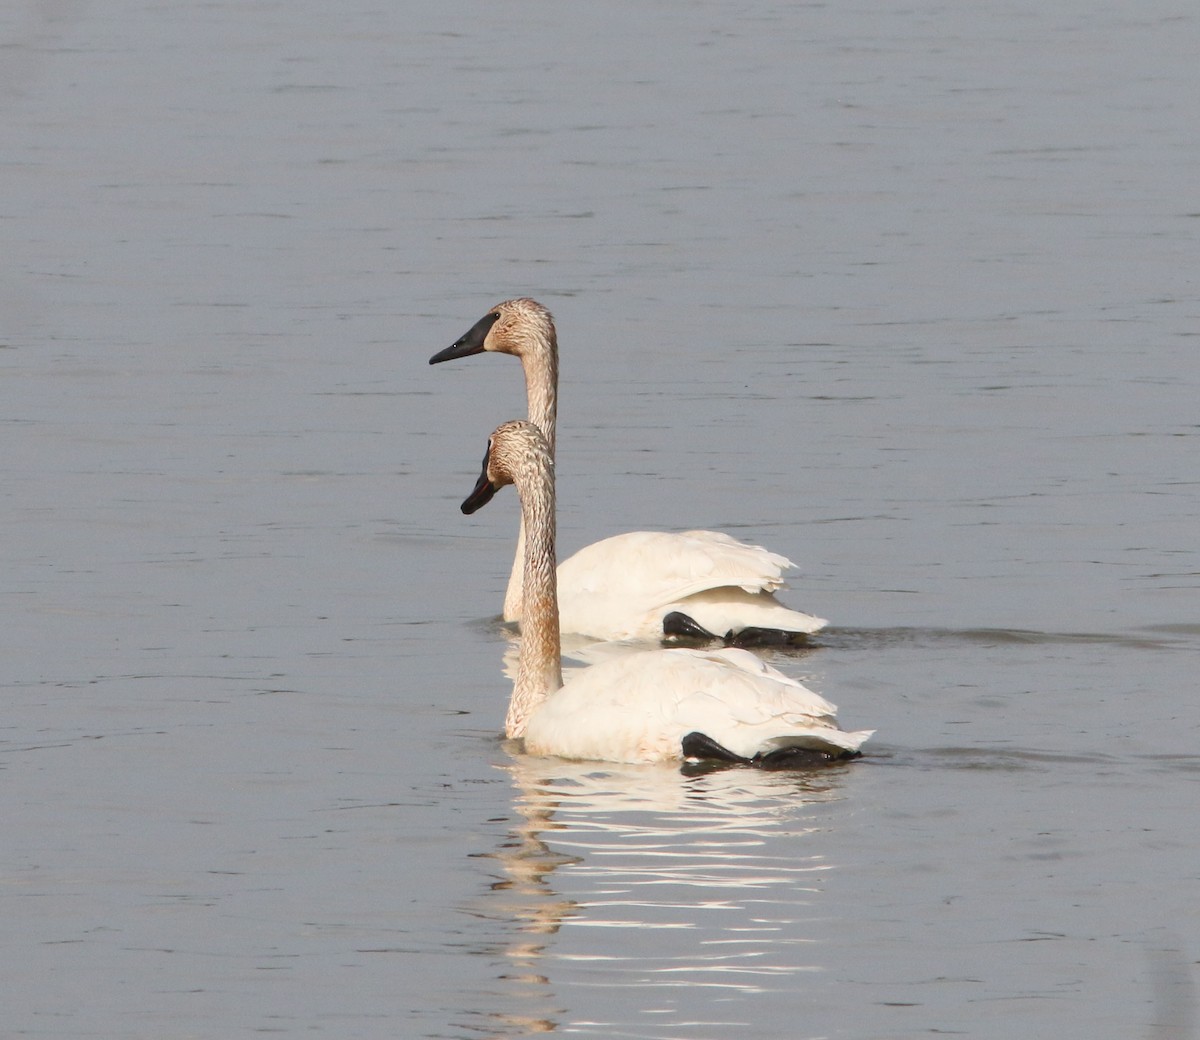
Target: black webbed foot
point(677, 625)
point(748, 638)
point(701, 746)
point(800, 758)
point(703, 754)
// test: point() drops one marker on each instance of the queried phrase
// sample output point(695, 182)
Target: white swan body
point(648, 706)
point(640, 708)
point(624, 587)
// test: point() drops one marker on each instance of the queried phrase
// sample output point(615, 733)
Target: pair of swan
point(649, 706)
point(654, 705)
point(644, 584)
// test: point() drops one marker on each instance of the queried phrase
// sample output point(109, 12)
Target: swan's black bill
point(471, 343)
point(483, 491)
point(480, 497)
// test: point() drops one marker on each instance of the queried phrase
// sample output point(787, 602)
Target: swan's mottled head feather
point(521, 327)
point(515, 449)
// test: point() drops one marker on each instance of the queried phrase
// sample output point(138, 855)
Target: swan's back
point(639, 708)
point(667, 565)
point(621, 587)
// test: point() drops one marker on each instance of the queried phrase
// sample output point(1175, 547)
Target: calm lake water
point(907, 293)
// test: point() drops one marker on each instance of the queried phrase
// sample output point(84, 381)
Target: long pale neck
point(540, 363)
point(513, 594)
point(541, 386)
point(539, 672)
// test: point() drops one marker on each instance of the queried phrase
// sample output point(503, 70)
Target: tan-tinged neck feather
point(513, 597)
point(541, 383)
point(539, 672)
point(538, 353)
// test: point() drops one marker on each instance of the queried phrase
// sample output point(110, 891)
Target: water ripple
point(617, 863)
point(1154, 638)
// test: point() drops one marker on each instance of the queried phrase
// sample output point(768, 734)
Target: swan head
point(515, 450)
point(521, 327)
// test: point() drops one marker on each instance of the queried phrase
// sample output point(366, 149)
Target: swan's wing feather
point(660, 566)
point(621, 587)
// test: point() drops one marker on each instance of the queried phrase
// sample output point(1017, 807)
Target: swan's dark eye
point(495, 315)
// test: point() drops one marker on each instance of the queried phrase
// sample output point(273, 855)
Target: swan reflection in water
point(641, 900)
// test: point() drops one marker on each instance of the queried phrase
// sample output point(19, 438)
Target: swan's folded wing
point(749, 707)
point(762, 723)
point(622, 586)
point(654, 567)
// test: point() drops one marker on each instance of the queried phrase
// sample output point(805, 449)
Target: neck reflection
point(642, 901)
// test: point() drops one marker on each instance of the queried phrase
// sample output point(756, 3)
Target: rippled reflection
point(688, 894)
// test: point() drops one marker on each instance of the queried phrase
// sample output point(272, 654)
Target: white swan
point(644, 584)
point(654, 705)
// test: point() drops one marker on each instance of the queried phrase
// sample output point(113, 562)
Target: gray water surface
point(905, 293)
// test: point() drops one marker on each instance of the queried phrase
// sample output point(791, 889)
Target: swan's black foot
point(700, 746)
point(703, 754)
point(677, 625)
point(800, 758)
point(747, 638)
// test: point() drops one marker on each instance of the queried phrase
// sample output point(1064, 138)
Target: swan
point(643, 584)
point(653, 705)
